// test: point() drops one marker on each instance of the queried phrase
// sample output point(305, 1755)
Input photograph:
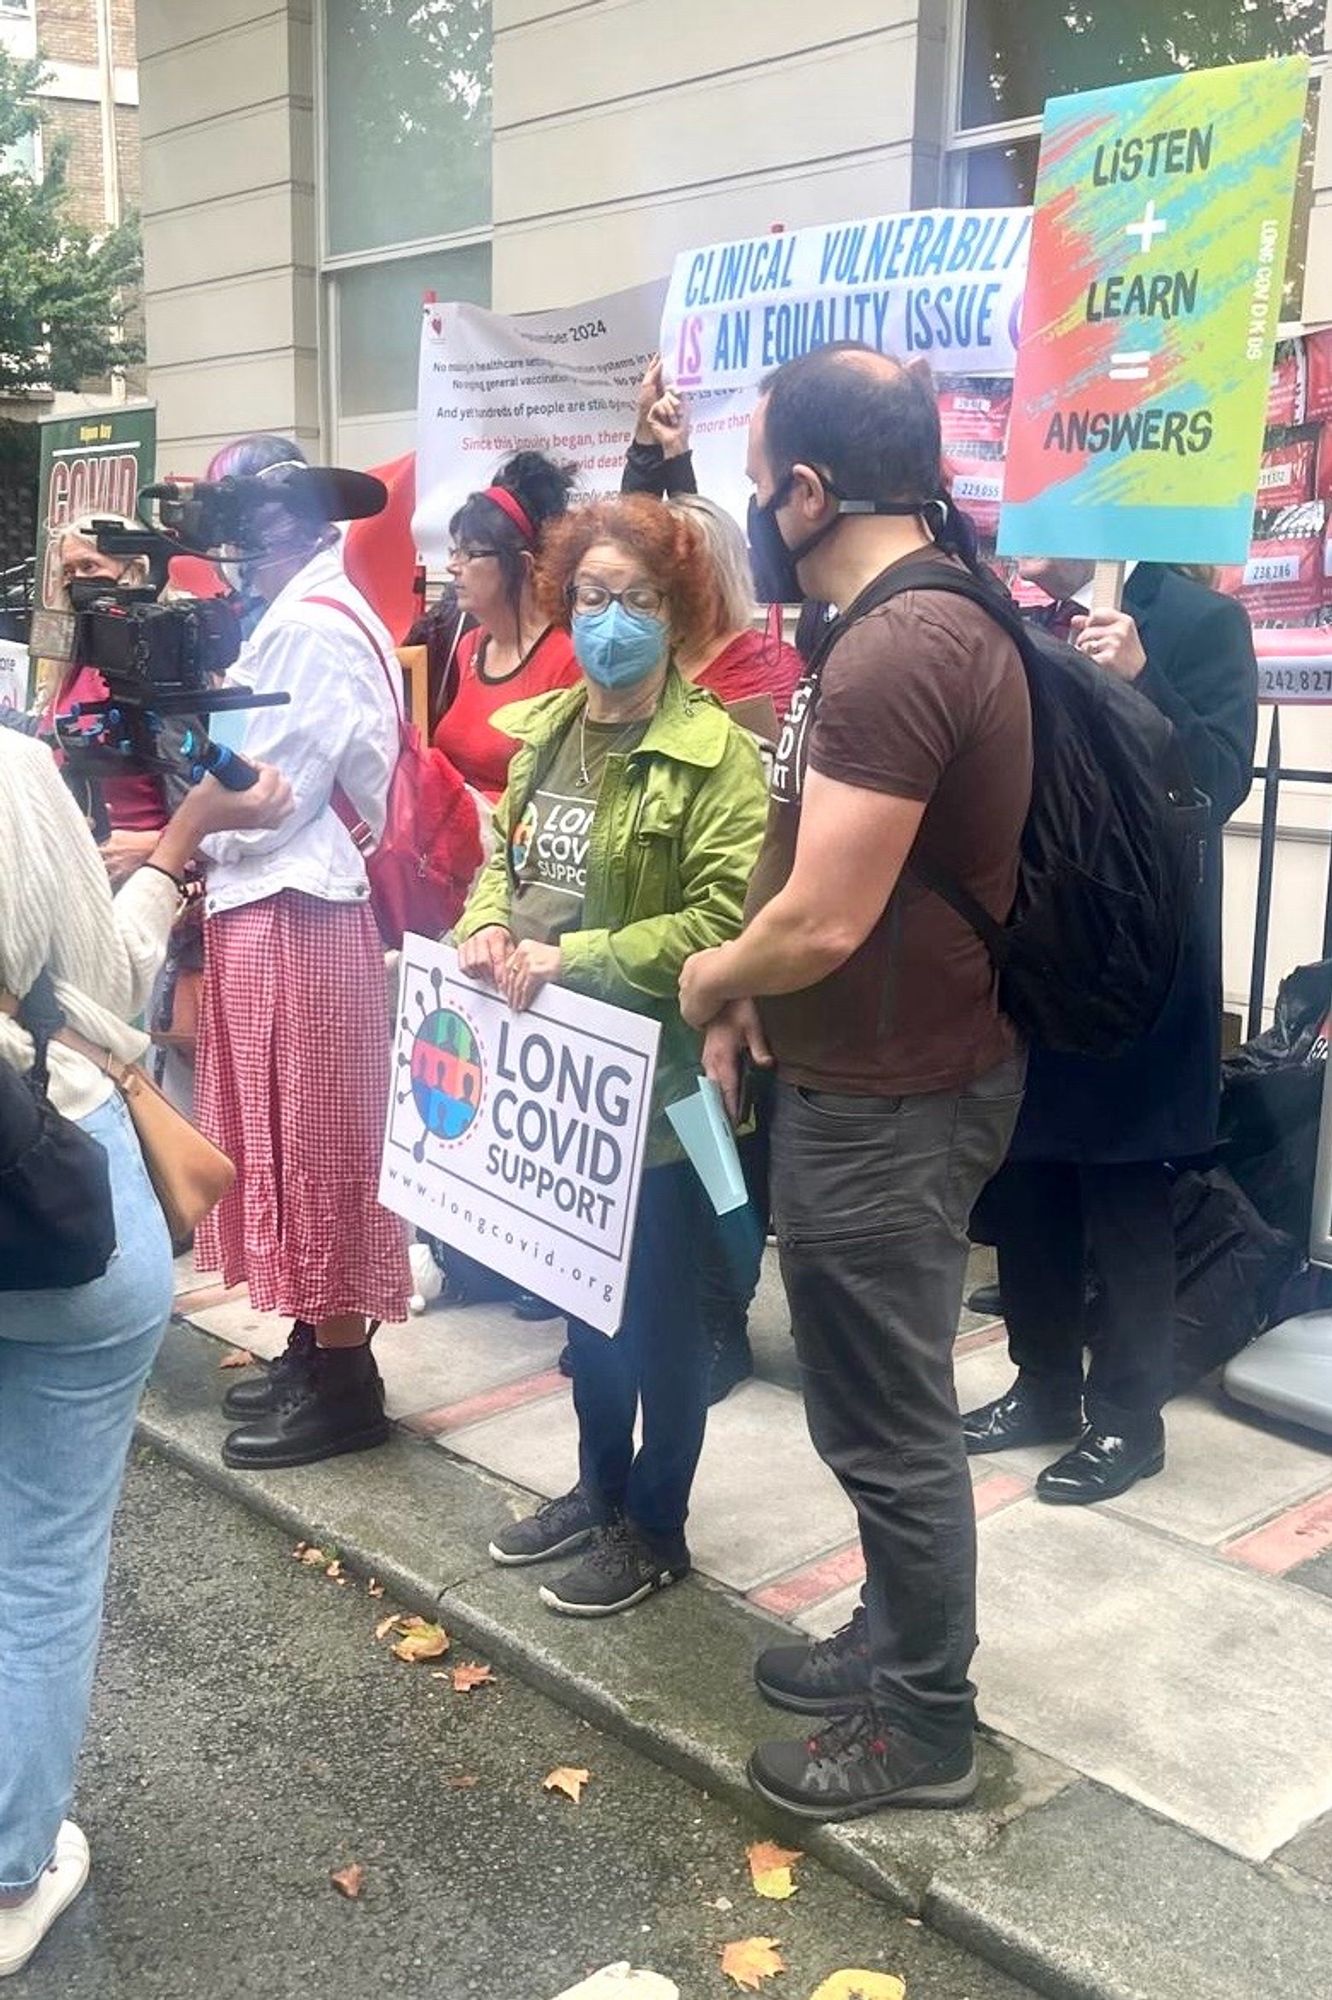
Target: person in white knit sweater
point(72, 1362)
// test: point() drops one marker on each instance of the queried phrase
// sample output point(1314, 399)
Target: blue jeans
point(658, 1361)
point(72, 1365)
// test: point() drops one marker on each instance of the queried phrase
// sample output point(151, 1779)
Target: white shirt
point(56, 910)
point(339, 727)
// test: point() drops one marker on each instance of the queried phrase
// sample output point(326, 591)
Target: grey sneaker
point(622, 1567)
point(557, 1528)
point(859, 1764)
point(823, 1678)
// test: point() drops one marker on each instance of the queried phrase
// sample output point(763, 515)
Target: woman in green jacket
point(624, 843)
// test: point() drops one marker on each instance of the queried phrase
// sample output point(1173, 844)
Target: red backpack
point(422, 867)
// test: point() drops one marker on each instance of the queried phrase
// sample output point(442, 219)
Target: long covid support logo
point(447, 1075)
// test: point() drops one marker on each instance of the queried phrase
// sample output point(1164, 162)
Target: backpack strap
point(922, 575)
point(895, 582)
point(336, 604)
point(362, 838)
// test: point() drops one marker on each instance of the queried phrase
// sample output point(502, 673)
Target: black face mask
point(85, 591)
point(772, 558)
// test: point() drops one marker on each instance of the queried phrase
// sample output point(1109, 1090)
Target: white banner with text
point(559, 382)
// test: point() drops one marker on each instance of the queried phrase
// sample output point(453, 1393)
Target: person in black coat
point(1087, 1177)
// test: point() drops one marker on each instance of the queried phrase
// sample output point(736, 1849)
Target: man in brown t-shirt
point(898, 1080)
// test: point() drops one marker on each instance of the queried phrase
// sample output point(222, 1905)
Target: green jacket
point(673, 843)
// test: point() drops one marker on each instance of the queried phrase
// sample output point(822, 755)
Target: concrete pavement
point(1165, 1656)
point(249, 1736)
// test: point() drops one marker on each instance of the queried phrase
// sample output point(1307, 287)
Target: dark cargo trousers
point(871, 1198)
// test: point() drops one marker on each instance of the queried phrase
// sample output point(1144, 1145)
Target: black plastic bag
point(1230, 1270)
point(1271, 1100)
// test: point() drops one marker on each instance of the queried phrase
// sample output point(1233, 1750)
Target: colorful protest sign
point(1159, 244)
point(91, 464)
point(945, 284)
point(560, 382)
point(94, 463)
point(518, 1138)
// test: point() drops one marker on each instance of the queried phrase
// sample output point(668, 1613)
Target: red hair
point(663, 541)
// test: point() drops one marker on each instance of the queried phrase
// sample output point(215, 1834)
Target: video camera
point(161, 664)
point(162, 661)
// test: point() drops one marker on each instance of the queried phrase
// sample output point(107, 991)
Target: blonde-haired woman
point(733, 660)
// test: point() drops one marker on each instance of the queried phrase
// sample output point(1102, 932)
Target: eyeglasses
point(644, 598)
point(469, 555)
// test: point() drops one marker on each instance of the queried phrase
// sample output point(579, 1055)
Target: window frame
point(960, 141)
point(331, 264)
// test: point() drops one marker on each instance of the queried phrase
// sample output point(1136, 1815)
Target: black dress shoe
point(986, 1299)
point(338, 1407)
point(260, 1394)
point(1020, 1417)
point(1103, 1464)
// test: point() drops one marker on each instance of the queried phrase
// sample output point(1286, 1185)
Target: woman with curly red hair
point(659, 802)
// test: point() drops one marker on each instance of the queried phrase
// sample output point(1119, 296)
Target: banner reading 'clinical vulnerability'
point(943, 284)
point(518, 1138)
point(1158, 250)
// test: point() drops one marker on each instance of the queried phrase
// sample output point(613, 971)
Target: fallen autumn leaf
point(853, 1985)
point(470, 1675)
point(565, 1778)
point(422, 1642)
point(239, 1357)
point(374, 1588)
point(770, 1869)
point(314, 1558)
point(751, 1961)
point(463, 1782)
point(387, 1625)
point(348, 1881)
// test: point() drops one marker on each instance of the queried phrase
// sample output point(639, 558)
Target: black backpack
point(1112, 849)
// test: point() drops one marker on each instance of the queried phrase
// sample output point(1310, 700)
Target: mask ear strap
point(943, 507)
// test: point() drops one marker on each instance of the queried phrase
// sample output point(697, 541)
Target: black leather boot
point(1104, 1463)
point(259, 1394)
point(1026, 1415)
point(338, 1407)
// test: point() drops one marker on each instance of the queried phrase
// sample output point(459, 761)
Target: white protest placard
point(560, 382)
point(518, 1138)
point(13, 674)
point(945, 284)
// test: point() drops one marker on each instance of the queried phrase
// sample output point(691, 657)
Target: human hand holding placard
point(519, 1138)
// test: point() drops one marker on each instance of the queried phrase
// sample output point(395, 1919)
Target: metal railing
point(1273, 775)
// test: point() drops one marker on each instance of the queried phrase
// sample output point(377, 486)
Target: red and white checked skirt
point(292, 1083)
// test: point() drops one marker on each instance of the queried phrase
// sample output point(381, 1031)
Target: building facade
point(311, 167)
point(90, 98)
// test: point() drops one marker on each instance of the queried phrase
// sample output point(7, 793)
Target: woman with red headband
point(514, 652)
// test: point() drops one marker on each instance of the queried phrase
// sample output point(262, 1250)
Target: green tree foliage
point(63, 293)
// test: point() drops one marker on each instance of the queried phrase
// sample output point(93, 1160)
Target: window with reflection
point(1017, 55)
point(407, 120)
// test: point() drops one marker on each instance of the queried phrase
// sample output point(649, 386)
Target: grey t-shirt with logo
point(549, 842)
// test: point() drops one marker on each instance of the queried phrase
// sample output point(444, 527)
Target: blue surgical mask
point(617, 648)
